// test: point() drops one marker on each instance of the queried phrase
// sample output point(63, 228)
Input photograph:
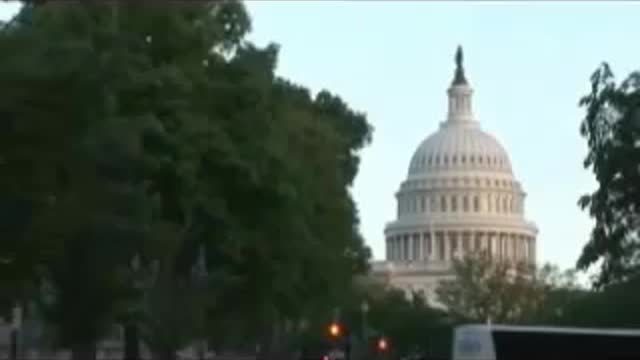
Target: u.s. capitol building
point(460, 197)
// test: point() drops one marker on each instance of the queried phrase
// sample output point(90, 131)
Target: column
point(459, 238)
point(447, 246)
point(425, 248)
point(412, 247)
point(491, 238)
point(418, 241)
point(434, 246)
point(440, 244)
point(506, 248)
point(405, 247)
point(393, 248)
point(483, 241)
point(455, 244)
point(396, 248)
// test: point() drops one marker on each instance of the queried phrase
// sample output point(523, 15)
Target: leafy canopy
point(612, 130)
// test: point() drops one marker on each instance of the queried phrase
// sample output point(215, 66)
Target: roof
point(550, 329)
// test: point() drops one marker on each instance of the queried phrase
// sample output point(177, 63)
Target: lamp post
point(131, 325)
point(16, 324)
point(200, 275)
point(364, 309)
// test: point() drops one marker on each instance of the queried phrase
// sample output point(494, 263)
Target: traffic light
point(382, 344)
point(335, 330)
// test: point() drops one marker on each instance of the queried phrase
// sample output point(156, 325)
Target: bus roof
point(549, 329)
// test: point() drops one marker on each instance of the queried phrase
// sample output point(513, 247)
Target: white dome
point(460, 195)
point(460, 198)
point(459, 147)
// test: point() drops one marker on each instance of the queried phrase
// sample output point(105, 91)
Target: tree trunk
point(83, 352)
point(131, 342)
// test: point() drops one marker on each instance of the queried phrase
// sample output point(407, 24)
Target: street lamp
point(200, 275)
point(383, 345)
point(335, 330)
point(364, 308)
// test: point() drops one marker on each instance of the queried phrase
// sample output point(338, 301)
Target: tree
point(485, 289)
point(65, 153)
point(612, 130)
point(561, 291)
point(594, 308)
point(176, 135)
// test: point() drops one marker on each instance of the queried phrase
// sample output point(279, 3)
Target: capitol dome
point(459, 148)
point(460, 197)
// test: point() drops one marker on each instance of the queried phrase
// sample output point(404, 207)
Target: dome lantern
point(460, 109)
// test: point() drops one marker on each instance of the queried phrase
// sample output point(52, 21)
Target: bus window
point(541, 345)
point(497, 342)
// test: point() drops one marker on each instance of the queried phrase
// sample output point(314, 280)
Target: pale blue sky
point(528, 62)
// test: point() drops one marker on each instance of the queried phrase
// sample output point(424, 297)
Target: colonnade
point(446, 245)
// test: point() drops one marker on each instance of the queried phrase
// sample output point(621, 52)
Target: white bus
point(501, 342)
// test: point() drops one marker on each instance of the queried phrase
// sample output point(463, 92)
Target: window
point(454, 204)
point(463, 159)
point(423, 204)
point(505, 207)
point(437, 160)
point(432, 204)
point(476, 204)
point(454, 159)
point(443, 204)
point(446, 160)
point(473, 159)
point(480, 159)
point(465, 204)
point(497, 204)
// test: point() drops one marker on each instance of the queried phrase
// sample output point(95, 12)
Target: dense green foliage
point(612, 130)
point(156, 130)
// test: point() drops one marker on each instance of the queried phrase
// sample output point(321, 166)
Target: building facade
point(460, 196)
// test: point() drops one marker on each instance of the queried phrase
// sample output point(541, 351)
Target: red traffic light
point(334, 329)
point(383, 345)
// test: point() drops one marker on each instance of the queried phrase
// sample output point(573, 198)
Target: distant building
point(460, 196)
